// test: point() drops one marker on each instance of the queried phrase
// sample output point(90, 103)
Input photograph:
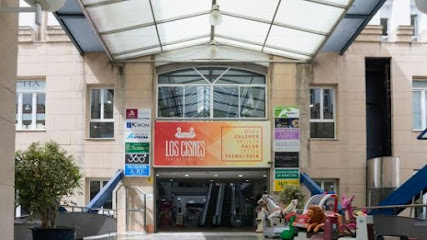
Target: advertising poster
point(286, 159)
point(286, 112)
point(137, 136)
point(285, 145)
point(285, 176)
point(212, 144)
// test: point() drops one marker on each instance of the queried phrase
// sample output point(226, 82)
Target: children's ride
point(276, 223)
point(315, 211)
point(348, 226)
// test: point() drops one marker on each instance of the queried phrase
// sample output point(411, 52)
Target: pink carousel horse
point(348, 225)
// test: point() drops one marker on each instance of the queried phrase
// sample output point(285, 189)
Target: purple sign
point(286, 133)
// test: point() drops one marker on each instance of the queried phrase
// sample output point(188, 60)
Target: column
point(8, 62)
point(400, 16)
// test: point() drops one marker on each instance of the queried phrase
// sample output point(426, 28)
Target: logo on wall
point(180, 134)
point(138, 125)
point(137, 158)
point(131, 113)
point(137, 136)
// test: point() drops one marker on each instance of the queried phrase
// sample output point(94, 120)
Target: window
point(419, 105)
point(414, 24)
point(322, 113)
point(329, 185)
point(30, 105)
point(384, 24)
point(101, 113)
point(95, 187)
point(211, 92)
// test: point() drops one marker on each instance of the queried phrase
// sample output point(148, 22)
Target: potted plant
point(44, 175)
point(291, 192)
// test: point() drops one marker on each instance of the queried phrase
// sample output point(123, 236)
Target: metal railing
point(143, 197)
point(412, 207)
point(102, 211)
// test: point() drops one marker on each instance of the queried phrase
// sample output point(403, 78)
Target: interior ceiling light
point(215, 19)
point(186, 175)
point(240, 175)
point(214, 48)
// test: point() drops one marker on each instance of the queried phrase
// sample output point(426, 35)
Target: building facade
point(369, 102)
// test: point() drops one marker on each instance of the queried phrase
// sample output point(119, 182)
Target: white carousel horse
point(272, 207)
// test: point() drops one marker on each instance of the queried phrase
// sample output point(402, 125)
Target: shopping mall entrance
point(204, 200)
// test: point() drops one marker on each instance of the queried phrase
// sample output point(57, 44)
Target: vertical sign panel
point(137, 142)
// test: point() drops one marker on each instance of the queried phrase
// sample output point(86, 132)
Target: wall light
point(216, 18)
point(421, 5)
point(37, 6)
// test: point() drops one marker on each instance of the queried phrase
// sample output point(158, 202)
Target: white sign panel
point(137, 136)
point(138, 125)
point(286, 145)
point(144, 113)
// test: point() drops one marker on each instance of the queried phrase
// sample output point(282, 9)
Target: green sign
point(286, 112)
point(286, 173)
point(137, 148)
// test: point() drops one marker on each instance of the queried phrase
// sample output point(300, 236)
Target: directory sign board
point(137, 136)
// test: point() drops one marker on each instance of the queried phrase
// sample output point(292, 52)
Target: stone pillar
point(304, 77)
point(422, 28)
point(8, 66)
point(400, 16)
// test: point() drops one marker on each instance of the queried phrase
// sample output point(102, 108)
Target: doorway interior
point(201, 199)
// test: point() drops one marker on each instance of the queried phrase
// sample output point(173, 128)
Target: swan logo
point(179, 134)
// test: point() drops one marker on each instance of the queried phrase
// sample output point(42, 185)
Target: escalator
point(226, 207)
point(210, 207)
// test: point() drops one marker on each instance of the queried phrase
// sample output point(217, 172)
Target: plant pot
point(59, 233)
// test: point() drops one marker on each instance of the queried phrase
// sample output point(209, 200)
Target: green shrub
point(44, 175)
point(291, 192)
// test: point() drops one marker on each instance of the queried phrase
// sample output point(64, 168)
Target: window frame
point(323, 180)
point(423, 104)
point(321, 119)
point(415, 32)
point(19, 102)
point(212, 86)
point(101, 115)
point(101, 185)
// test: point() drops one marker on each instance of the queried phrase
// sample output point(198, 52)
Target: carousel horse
point(272, 206)
point(348, 225)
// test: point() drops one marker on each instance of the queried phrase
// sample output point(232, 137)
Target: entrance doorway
point(208, 199)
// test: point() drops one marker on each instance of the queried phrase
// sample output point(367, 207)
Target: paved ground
point(196, 236)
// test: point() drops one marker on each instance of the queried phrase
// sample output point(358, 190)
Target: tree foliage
point(45, 174)
point(291, 192)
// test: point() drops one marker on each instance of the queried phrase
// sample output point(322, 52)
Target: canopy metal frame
point(213, 33)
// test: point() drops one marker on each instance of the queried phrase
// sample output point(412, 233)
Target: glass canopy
point(295, 29)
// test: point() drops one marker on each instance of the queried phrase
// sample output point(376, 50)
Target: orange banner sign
point(212, 144)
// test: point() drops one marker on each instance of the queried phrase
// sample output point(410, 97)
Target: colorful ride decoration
point(315, 212)
point(272, 208)
point(289, 233)
point(348, 225)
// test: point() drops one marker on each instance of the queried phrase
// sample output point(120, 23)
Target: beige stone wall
point(345, 157)
point(69, 78)
point(8, 49)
